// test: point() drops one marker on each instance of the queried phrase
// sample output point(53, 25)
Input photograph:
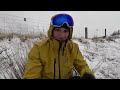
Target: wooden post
point(105, 33)
point(118, 31)
point(24, 19)
point(86, 33)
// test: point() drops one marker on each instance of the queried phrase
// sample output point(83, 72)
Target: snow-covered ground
point(13, 56)
point(102, 56)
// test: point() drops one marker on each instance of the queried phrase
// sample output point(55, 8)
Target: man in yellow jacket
point(55, 57)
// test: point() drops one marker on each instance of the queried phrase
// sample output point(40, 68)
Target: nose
point(61, 35)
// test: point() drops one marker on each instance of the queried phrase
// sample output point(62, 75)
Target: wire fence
point(21, 25)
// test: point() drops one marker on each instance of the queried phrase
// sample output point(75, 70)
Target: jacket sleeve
point(81, 65)
point(34, 64)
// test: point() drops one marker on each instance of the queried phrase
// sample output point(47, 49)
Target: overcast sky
point(96, 21)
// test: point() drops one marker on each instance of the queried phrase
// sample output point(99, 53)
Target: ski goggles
point(59, 19)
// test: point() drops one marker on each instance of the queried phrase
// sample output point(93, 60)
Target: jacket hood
point(51, 29)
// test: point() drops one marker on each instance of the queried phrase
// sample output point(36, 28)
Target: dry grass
point(23, 37)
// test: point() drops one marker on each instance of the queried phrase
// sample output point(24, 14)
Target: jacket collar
point(54, 44)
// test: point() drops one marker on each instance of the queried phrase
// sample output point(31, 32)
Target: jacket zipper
point(54, 67)
point(59, 61)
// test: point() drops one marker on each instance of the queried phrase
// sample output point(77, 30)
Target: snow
point(13, 56)
point(102, 58)
point(101, 54)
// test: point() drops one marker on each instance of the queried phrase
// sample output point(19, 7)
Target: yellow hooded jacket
point(50, 60)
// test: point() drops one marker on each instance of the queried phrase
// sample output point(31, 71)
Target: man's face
point(60, 34)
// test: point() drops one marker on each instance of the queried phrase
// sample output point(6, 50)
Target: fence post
point(105, 33)
point(24, 19)
point(118, 31)
point(86, 32)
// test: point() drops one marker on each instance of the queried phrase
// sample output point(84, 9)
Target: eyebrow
point(60, 27)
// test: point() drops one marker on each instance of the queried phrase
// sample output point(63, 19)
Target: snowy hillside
point(102, 55)
point(18, 36)
point(13, 55)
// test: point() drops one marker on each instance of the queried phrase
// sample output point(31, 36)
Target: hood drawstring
point(64, 48)
point(71, 48)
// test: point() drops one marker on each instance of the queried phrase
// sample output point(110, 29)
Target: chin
point(62, 41)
